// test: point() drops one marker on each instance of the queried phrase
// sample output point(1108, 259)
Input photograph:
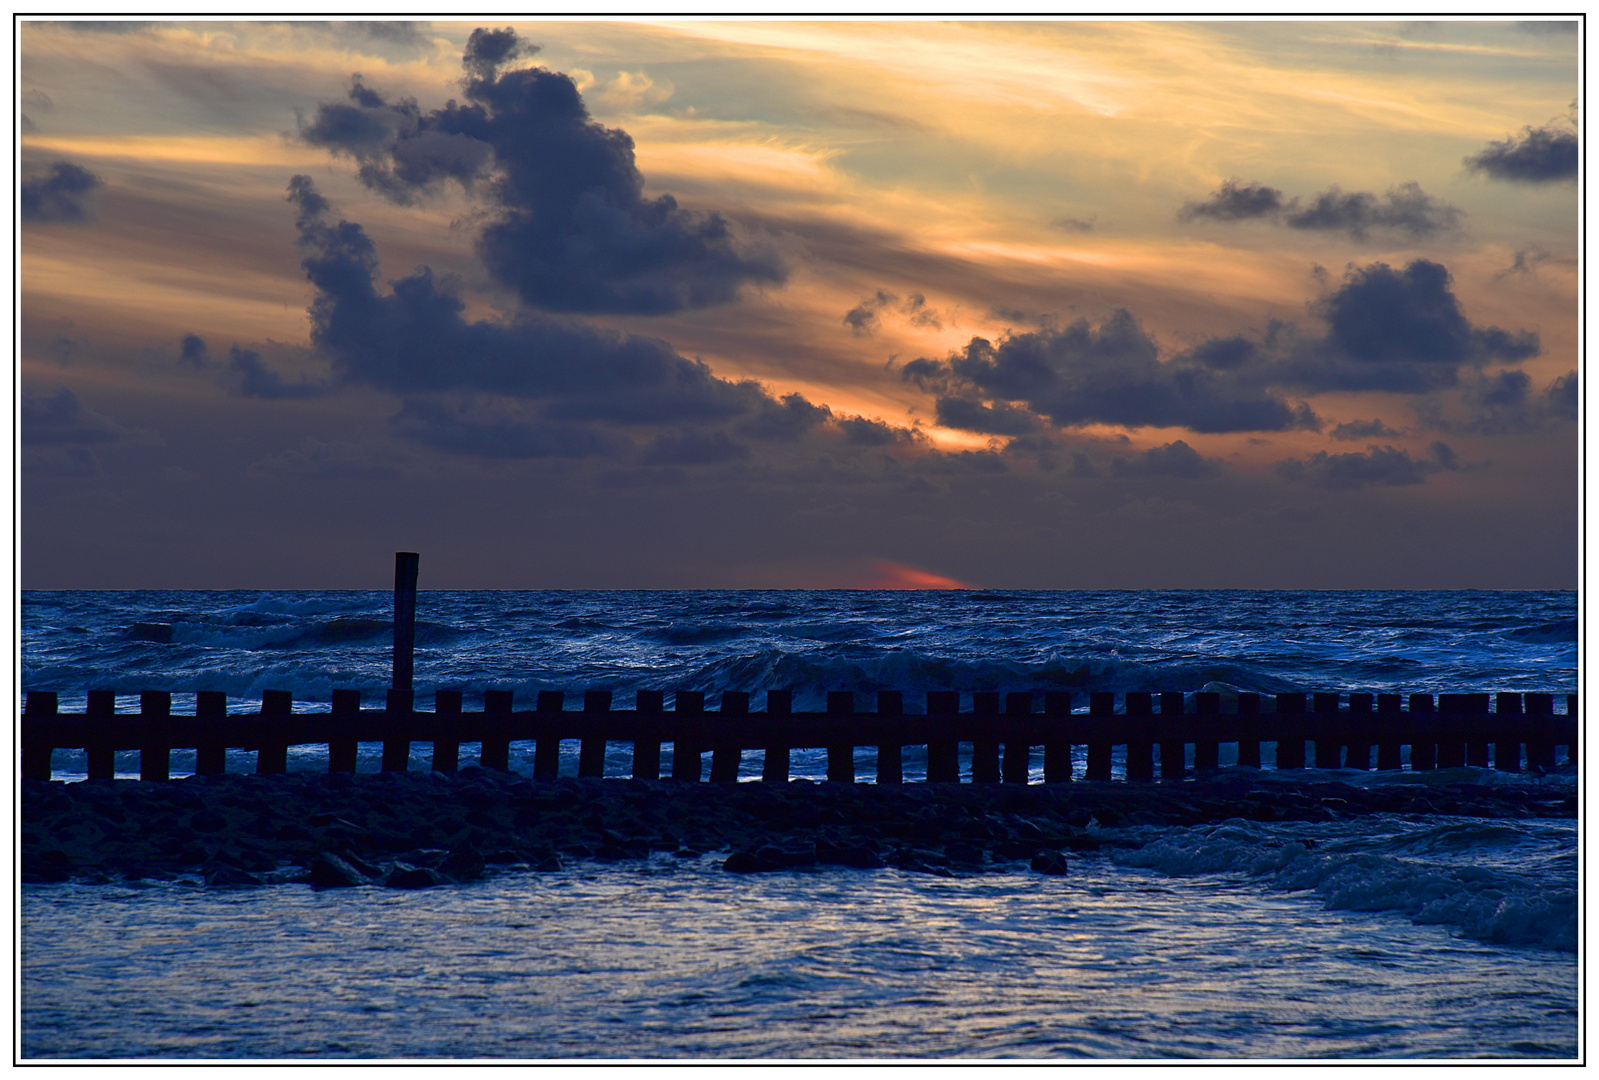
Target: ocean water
point(1388, 936)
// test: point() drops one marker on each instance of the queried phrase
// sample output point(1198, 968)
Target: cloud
point(1176, 460)
point(1500, 403)
point(967, 414)
point(1404, 208)
point(60, 419)
point(786, 420)
point(59, 196)
point(1380, 466)
point(1526, 263)
point(1110, 374)
point(475, 432)
point(1074, 224)
point(571, 230)
point(193, 352)
point(1543, 155)
point(1355, 430)
point(252, 378)
point(1235, 201)
point(694, 448)
point(862, 319)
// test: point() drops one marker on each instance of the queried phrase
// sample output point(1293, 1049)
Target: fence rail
point(1357, 730)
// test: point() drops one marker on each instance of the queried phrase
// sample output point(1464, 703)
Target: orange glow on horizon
point(891, 575)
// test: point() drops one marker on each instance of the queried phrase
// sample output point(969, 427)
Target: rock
point(406, 876)
point(462, 864)
point(224, 875)
point(208, 821)
point(1050, 862)
point(329, 871)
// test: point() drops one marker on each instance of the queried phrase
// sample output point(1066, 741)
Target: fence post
point(985, 752)
point(1172, 751)
point(1327, 739)
point(647, 752)
point(591, 748)
point(155, 757)
point(1540, 747)
point(1014, 765)
point(211, 758)
point(1101, 707)
point(1357, 752)
point(841, 755)
point(1140, 750)
point(1451, 744)
point(396, 748)
point(36, 755)
point(890, 767)
point(1423, 745)
point(446, 750)
point(1248, 748)
point(273, 755)
point(774, 757)
point(1057, 751)
point(1388, 745)
point(943, 755)
point(1207, 753)
point(102, 754)
point(1507, 752)
point(686, 752)
point(547, 750)
point(342, 750)
point(725, 758)
point(1290, 747)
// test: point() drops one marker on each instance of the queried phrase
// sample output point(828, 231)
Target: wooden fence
point(1360, 731)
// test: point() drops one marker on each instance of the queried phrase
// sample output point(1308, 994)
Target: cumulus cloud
point(61, 195)
point(571, 229)
point(252, 378)
point(1544, 155)
point(863, 320)
point(1494, 404)
point(1356, 430)
point(473, 431)
point(1109, 374)
point(1176, 460)
point(1403, 208)
point(1379, 466)
point(60, 419)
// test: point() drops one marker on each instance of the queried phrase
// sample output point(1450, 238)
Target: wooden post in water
point(1207, 753)
point(1291, 747)
point(1451, 745)
point(405, 569)
point(272, 757)
point(841, 755)
point(774, 756)
point(943, 758)
point(398, 704)
point(210, 758)
point(1102, 707)
point(591, 750)
point(1327, 741)
point(647, 752)
point(1476, 745)
point(1357, 754)
point(1507, 754)
point(1423, 747)
point(686, 752)
point(342, 751)
point(1014, 766)
point(985, 752)
point(725, 758)
point(547, 751)
point(155, 758)
point(36, 756)
point(1389, 716)
point(1540, 748)
point(1140, 750)
point(495, 751)
point(890, 767)
point(446, 750)
point(1057, 750)
point(1172, 751)
point(1248, 748)
point(102, 755)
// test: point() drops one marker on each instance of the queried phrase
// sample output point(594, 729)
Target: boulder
point(330, 871)
point(1050, 862)
point(406, 876)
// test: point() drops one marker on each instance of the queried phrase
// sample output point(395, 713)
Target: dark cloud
point(38, 99)
point(1112, 374)
point(193, 352)
point(1405, 208)
point(1235, 201)
point(1404, 330)
point(1543, 155)
point(862, 319)
point(252, 378)
point(27, 124)
point(1526, 263)
point(967, 414)
point(1548, 26)
point(1379, 466)
point(471, 433)
point(694, 448)
point(1176, 460)
point(1073, 224)
point(860, 431)
point(1500, 403)
point(59, 196)
point(572, 231)
point(785, 420)
point(1356, 430)
point(60, 419)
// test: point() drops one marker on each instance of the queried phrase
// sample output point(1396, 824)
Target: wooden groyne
point(1507, 731)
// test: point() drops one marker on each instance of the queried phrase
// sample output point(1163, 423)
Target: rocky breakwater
point(414, 830)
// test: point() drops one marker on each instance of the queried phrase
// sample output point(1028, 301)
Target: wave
point(1401, 873)
point(1559, 632)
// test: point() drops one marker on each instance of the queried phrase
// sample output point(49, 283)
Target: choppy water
point(1380, 937)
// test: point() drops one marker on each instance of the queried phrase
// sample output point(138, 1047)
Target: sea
point(1410, 936)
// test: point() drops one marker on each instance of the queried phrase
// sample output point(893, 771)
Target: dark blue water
point(1414, 936)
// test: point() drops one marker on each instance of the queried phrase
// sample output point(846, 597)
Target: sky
point(764, 304)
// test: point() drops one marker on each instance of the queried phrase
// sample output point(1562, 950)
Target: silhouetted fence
point(1359, 731)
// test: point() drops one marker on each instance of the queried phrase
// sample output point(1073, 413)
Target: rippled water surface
point(673, 958)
